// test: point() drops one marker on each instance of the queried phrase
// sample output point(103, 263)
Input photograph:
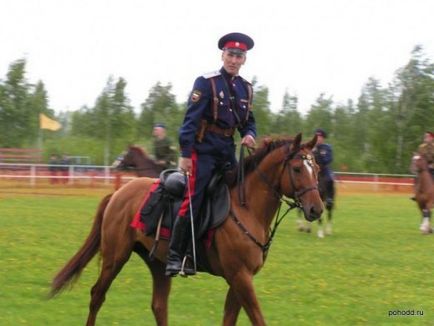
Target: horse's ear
point(296, 143)
point(312, 142)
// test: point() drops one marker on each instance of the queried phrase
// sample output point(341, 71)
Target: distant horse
point(282, 167)
point(135, 158)
point(328, 197)
point(424, 191)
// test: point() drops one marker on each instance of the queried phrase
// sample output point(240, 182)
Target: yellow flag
point(47, 123)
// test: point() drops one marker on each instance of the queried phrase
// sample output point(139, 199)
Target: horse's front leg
point(241, 284)
point(425, 227)
point(232, 308)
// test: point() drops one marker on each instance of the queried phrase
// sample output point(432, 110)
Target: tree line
point(377, 133)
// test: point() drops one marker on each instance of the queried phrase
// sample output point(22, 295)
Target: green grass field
point(375, 264)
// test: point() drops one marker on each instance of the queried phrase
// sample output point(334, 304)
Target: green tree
point(288, 120)
point(111, 120)
point(261, 109)
point(17, 127)
point(160, 106)
point(412, 106)
point(320, 116)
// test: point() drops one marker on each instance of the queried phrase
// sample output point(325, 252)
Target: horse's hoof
point(320, 234)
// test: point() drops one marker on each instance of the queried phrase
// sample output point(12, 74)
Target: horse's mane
point(251, 162)
point(138, 149)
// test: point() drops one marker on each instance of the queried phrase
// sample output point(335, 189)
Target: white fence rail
point(67, 174)
point(72, 174)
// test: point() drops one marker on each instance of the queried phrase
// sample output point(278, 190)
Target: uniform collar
point(226, 74)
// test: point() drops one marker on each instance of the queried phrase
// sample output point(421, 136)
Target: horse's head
point(129, 159)
point(300, 177)
point(136, 158)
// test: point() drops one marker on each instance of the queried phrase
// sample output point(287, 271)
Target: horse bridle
point(291, 205)
point(130, 167)
point(285, 162)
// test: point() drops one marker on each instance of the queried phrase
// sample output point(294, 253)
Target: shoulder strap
point(250, 94)
point(214, 98)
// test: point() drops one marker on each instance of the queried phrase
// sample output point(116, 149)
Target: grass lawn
point(375, 264)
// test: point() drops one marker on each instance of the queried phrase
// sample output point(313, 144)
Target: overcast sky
point(307, 47)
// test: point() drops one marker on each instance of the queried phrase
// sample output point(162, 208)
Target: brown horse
point(135, 158)
point(424, 191)
point(282, 167)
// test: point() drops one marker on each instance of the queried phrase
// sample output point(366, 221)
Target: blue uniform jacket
point(200, 107)
point(324, 157)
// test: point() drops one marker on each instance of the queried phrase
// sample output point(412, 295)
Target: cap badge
point(237, 44)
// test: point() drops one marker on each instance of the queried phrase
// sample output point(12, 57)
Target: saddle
point(160, 209)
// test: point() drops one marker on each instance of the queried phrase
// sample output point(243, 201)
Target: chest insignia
point(195, 96)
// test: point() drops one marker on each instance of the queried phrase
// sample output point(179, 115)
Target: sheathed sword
point(193, 244)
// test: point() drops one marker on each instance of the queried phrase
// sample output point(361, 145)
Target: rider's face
point(232, 62)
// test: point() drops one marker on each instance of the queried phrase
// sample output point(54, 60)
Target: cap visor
point(235, 51)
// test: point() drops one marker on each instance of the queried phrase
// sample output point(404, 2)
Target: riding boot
point(329, 203)
point(177, 246)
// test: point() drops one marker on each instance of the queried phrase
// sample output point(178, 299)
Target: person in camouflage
point(426, 149)
point(163, 151)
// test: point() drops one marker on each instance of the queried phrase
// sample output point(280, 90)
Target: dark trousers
point(204, 167)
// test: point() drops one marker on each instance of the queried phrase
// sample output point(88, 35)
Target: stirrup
point(186, 270)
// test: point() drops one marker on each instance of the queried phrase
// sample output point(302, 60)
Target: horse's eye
point(296, 169)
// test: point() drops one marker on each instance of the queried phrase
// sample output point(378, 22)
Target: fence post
point(32, 175)
point(106, 175)
point(118, 180)
point(71, 175)
point(375, 182)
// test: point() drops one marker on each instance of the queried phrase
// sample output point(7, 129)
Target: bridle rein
point(296, 203)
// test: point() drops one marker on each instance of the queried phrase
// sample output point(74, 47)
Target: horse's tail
point(72, 270)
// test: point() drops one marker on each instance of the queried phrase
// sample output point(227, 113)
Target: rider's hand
point(248, 141)
point(185, 164)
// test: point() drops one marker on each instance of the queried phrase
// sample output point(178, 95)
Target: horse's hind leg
point(320, 231)
point(232, 308)
point(161, 287)
point(109, 270)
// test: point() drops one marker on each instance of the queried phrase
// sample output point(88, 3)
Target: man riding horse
point(219, 104)
point(426, 149)
point(324, 156)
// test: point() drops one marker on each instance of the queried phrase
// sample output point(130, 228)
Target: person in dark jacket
point(219, 104)
point(324, 157)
